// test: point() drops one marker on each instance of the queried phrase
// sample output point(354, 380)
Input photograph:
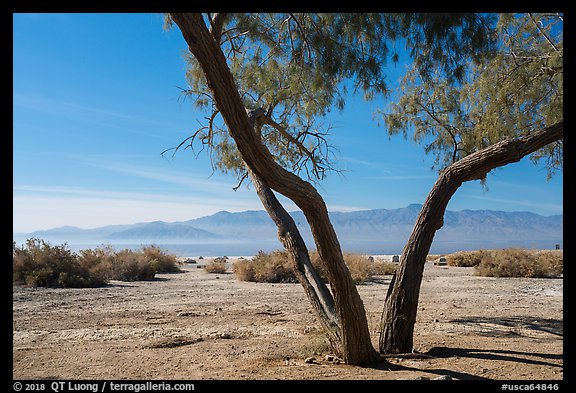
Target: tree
point(342, 314)
point(509, 106)
point(280, 75)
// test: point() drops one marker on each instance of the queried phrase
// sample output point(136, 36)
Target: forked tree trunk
point(316, 290)
point(355, 346)
point(401, 304)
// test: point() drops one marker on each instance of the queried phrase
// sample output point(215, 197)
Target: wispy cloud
point(552, 208)
point(400, 177)
point(130, 122)
point(188, 180)
point(48, 207)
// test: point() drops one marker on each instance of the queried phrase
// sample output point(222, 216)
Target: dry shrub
point(518, 262)
point(552, 261)
point(271, 267)
point(381, 268)
point(126, 265)
point(39, 264)
point(98, 261)
point(359, 266)
point(276, 267)
point(129, 265)
point(465, 258)
point(161, 261)
point(243, 270)
point(217, 265)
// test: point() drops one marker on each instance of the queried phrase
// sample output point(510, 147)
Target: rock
point(443, 378)
point(333, 358)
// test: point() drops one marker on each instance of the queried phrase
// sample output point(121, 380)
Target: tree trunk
point(401, 304)
point(356, 346)
point(316, 290)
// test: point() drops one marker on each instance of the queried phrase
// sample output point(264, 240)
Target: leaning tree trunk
point(354, 344)
point(401, 304)
point(316, 290)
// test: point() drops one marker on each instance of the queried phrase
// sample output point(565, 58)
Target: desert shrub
point(518, 262)
point(243, 270)
point(276, 267)
point(125, 265)
point(271, 267)
point(465, 258)
point(161, 261)
point(40, 264)
point(128, 265)
point(359, 266)
point(98, 261)
point(217, 265)
point(551, 261)
point(381, 268)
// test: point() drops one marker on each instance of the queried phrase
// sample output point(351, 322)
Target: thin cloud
point(553, 208)
point(37, 208)
point(94, 115)
point(189, 180)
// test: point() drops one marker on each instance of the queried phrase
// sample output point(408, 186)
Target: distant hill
point(370, 231)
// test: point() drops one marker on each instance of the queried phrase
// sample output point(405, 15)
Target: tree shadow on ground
point(499, 326)
point(497, 354)
point(385, 365)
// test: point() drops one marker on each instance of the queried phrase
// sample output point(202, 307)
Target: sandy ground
point(196, 326)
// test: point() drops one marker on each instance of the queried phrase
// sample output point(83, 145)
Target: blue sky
point(96, 99)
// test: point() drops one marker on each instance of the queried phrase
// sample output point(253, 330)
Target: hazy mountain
point(371, 231)
point(161, 231)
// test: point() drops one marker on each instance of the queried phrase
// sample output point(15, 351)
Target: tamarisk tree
point(268, 80)
point(506, 107)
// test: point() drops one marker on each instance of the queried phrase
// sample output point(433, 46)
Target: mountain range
point(377, 231)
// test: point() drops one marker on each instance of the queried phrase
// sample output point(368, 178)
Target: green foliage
point(298, 67)
point(511, 92)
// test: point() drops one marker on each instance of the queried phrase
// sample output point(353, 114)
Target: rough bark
point(355, 346)
point(401, 304)
point(316, 290)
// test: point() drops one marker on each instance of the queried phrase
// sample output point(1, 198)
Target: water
point(251, 248)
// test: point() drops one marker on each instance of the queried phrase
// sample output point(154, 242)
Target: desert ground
point(198, 326)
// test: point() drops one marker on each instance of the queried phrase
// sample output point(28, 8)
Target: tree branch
point(216, 23)
point(543, 33)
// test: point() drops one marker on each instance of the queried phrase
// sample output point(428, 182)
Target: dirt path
point(194, 325)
